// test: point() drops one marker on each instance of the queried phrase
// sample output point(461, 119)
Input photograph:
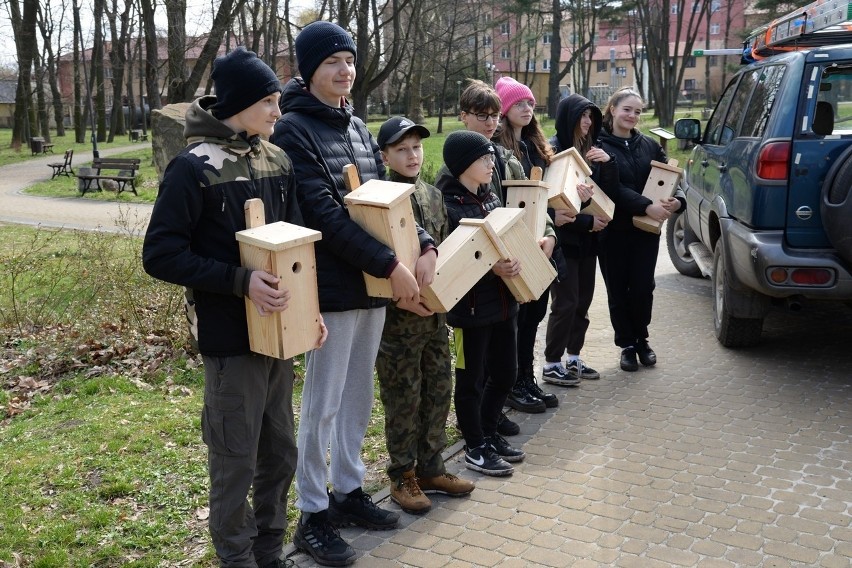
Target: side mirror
point(688, 129)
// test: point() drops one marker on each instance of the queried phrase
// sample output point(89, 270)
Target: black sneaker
point(556, 374)
point(528, 377)
point(505, 427)
point(358, 509)
point(318, 538)
point(484, 460)
point(522, 400)
point(498, 444)
point(582, 371)
point(628, 360)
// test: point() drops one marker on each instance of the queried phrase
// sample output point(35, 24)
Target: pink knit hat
point(510, 92)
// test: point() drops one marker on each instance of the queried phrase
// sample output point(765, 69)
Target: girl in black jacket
point(578, 124)
point(629, 255)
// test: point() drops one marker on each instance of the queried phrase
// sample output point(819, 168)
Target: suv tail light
point(773, 162)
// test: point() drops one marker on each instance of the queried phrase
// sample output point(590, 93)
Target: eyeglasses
point(520, 105)
point(482, 116)
point(488, 160)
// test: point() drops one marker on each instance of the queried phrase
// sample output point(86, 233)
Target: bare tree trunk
point(118, 26)
point(46, 27)
point(41, 100)
point(152, 83)
point(96, 81)
point(176, 16)
point(79, 114)
point(23, 24)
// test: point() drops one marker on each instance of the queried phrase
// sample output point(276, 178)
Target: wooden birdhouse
point(565, 171)
point(464, 257)
point(513, 240)
point(287, 251)
point(531, 196)
point(661, 184)
point(383, 209)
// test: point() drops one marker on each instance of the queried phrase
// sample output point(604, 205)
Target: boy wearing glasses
point(485, 319)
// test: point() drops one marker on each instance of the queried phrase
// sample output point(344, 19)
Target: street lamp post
point(458, 97)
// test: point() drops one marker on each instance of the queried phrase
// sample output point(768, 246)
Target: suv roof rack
point(820, 23)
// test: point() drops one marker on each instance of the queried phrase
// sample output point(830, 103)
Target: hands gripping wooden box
point(531, 196)
point(661, 184)
point(573, 168)
point(383, 209)
point(286, 251)
point(513, 240)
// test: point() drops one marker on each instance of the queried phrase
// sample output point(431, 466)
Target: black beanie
point(316, 42)
point(241, 79)
point(462, 148)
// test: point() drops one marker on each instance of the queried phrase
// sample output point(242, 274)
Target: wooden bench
point(39, 146)
point(63, 168)
point(126, 172)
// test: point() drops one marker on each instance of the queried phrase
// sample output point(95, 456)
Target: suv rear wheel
point(836, 206)
point(678, 238)
point(731, 331)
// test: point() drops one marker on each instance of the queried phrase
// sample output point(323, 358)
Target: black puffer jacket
point(575, 238)
point(489, 301)
point(190, 239)
point(634, 157)
point(320, 140)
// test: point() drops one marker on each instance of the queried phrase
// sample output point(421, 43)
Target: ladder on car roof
point(820, 23)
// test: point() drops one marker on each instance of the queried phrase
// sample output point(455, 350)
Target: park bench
point(38, 145)
point(126, 169)
point(63, 168)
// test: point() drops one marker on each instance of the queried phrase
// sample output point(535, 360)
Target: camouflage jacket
point(190, 239)
point(431, 214)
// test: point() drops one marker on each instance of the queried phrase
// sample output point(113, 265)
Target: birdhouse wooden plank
point(514, 240)
point(287, 251)
point(600, 204)
point(383, 209)
point(661, 184)
point(464, 257)
point(566, 170)
point(531, 196)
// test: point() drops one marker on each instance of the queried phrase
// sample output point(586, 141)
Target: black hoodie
point(575, 238)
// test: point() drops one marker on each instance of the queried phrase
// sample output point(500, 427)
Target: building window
point(714, 29)
point(505, 53)
point(530, 64)
point(690, 62)
point(674, 9)
point(621, 71)
point(696, 7)
point(545, 65)
point(505, 28)
point(601, 66)
point(689, 84)
point(712, 60)
point(612, 35)
point(545, 39)
point(486, 40)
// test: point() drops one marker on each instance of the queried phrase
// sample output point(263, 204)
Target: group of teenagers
point(287, 145)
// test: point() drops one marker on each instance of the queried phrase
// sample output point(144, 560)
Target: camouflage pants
point(416, 388)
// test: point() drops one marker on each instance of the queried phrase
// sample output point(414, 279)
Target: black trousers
point(569, 308)
point(628, 263)
point(247, 424)
point(480, 397)
point(529, 316)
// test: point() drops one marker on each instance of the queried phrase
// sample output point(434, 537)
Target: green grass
point(9, 155)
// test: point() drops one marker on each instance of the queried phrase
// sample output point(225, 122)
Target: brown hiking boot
point(447, 483)
point(407, 494)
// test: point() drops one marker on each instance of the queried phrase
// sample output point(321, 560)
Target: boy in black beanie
point(485, 319)
point(247, 420)
point(321, 133)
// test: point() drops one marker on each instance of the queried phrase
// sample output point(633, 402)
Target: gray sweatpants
point(336, 402)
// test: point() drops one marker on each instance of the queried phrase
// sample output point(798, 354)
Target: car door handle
point(704, 163)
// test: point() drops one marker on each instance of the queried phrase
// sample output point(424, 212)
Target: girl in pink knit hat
point(520, 132)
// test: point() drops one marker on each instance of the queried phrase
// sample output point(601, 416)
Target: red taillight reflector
point(778, 275)
point(773, 162)
point(811, 276)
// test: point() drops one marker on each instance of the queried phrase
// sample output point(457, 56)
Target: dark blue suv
point(769, 217)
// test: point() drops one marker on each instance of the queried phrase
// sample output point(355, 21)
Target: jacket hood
point(568, 114)
point(296, 98)
point(202, 126)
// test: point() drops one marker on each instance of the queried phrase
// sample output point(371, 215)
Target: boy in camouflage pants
point(413, 363)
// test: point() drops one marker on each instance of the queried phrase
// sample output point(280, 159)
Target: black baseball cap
point(396, 127)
